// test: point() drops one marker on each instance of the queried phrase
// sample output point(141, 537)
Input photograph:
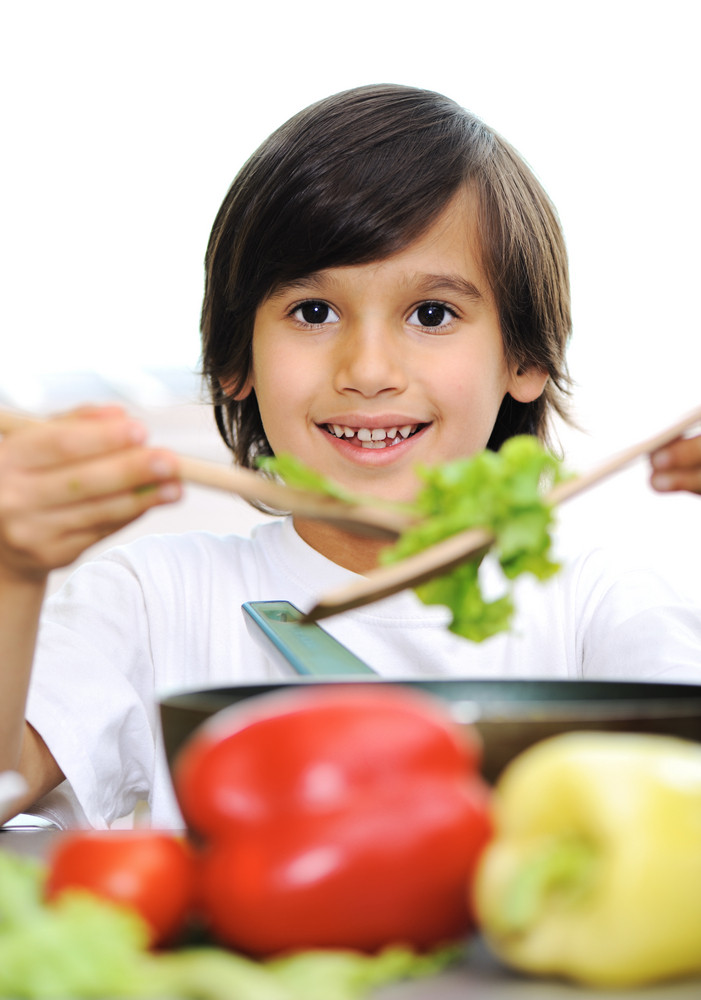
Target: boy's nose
point(369, 361)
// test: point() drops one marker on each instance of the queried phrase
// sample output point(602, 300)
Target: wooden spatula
point(449, 553)
point(363, 519)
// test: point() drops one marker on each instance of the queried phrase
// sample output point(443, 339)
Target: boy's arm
point(678, 466)
point(64, 485)
point(21, 748)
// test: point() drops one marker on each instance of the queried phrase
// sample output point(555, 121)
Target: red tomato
point(150, 872)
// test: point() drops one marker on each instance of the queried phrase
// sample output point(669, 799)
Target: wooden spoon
point(449, 553)
point(362, 518)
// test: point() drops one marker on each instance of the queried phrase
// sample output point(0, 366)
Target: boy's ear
point(229, 385)
point(526, 384)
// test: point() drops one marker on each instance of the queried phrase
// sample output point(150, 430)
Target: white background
point(123, 124)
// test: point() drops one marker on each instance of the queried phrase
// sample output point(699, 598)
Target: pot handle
point(307, 648)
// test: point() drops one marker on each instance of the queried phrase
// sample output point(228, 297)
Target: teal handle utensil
point(308, 649)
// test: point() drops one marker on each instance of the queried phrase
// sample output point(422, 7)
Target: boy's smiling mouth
point(374, 437)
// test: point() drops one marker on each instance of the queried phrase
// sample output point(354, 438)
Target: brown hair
point(355, 178)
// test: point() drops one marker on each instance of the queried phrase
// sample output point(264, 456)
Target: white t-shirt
point(163, 614)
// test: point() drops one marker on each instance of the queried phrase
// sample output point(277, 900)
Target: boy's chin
point(399, 493)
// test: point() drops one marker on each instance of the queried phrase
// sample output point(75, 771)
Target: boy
point(386, 286)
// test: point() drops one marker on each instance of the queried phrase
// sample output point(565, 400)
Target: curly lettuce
point(84, 947)
point(498, 491)
point(502, 493)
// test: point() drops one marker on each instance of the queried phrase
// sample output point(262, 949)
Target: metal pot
point(509, 715)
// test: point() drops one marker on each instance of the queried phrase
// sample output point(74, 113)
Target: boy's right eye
point(314, 313)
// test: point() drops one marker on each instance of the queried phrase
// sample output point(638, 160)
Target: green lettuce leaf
point(349, 975)
point(83, 947)
point(501, 492)
point(299, 476)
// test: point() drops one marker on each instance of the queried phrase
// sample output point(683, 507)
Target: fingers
point(678, 466)
point(90, 478)
point(82, 434)
point(68, 482)
point(40, 542)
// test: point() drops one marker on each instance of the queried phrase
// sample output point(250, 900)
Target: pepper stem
point(563, 866)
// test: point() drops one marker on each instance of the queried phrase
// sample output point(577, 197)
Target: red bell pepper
point(346, 817)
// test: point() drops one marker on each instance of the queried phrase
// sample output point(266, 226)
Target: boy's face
point(365, 371)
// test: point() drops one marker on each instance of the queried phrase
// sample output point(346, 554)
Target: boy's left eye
point(431, 315)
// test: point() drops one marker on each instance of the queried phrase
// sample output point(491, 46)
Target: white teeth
point(376, 437)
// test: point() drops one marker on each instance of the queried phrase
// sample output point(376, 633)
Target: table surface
point(480, 977)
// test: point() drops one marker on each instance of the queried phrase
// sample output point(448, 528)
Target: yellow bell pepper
point(594, 872)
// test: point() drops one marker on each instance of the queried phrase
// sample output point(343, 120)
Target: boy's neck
point(351, 551)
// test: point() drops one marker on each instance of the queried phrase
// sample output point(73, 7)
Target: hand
point(66, 483)
point(678, 466)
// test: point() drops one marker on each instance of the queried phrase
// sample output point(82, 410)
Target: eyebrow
point(450, 283)
point(425, 283)
point(314, 280)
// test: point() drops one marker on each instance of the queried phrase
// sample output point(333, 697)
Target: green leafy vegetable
point(83, 947)
point(299, 476)
point(499, 491)
point(349, 975)
point(78, 946)
point(21, 885)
